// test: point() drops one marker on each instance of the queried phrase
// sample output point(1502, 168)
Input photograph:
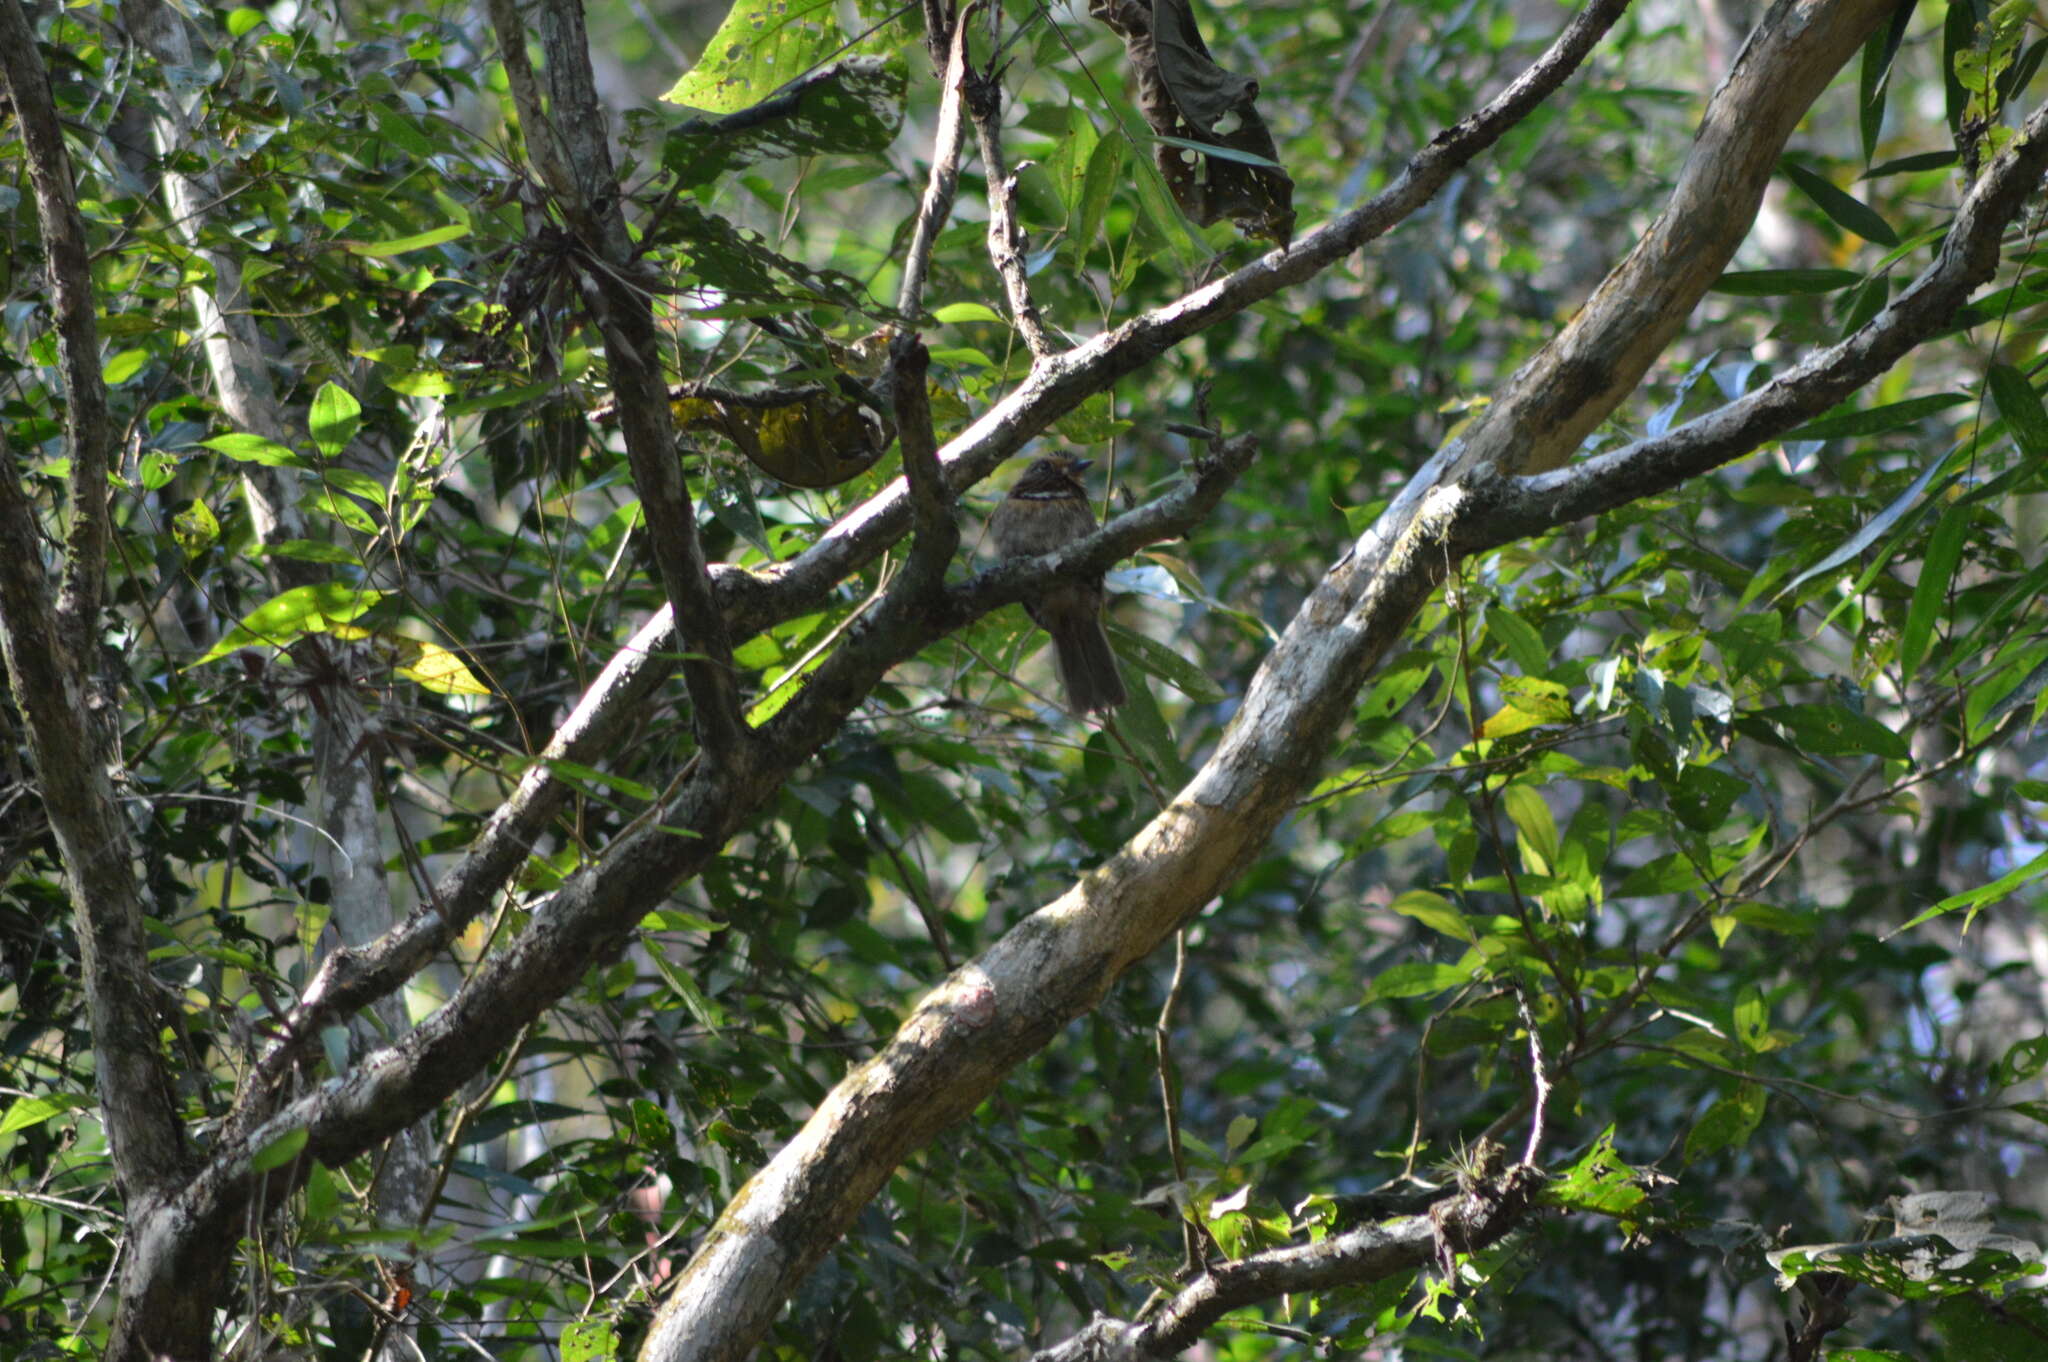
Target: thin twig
point(1191, 1235)
point(1005, 237)
point(1539, 1078)
point(937, 204)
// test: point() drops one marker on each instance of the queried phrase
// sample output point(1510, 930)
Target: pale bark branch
point(937, 204)
point(1555, 400)
point(1464, 1222)
point(1005, 235)
point(1967, 258)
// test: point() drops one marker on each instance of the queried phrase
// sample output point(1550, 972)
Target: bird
point(1045, 511)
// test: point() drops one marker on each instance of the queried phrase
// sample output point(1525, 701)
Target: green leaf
point(1435, 912)
point(124, 366)
point(1534, 826)
point(590, 1340)
point(1221, 153)
point(1169, 666)
point(1845, 210)
point(195, 529)
point(1847, 421)
point(1105, 174)
point(418, 241)
point(1835, 731)
point(1912, 165)
point(1974, 899)
point(1729, 1122)
point(955, 313)
point(1141, 722)
point(244, 448)
point(1599, 1183)
point(24, 1112)
point(1930, 593)
point(1520, 639)
point(851, 107)
point(2020, 407)
point(278, 1152)
point(1419, 978)
point(1784, 283)
point(590, 778)
point(324, 501)
point(293, 614)
point(334, 420)
point(761, 46)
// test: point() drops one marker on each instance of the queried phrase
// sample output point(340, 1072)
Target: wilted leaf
point(1206, 118)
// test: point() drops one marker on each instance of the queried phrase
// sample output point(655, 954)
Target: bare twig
point(1169, 1100)
point(1539, 1078)
point(1005, 236)
point(937, 204)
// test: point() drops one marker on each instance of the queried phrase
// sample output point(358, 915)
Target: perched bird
point(1044, 512)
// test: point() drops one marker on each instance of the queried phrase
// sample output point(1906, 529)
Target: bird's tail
point(1086, 666)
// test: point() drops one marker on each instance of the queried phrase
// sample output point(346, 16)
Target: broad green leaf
point(851, 107)
point(1435, 912)
point(1600, 1183)
point(1520, 638)
point(293, 614)
point(1148, 731)
point(1832, 730)
point(334, 420)
point(1417, 979)
point(195, 529)
point(1105, 175)
point(1535, 828)
point(1973, 899)
point(244, 448)
point(24, 1112)
point(439, 670)
point(278, 1152)
point(1729, 1122)
point(761, 46)
point(955, 313)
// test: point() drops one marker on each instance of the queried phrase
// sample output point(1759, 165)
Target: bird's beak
point(1083, 465)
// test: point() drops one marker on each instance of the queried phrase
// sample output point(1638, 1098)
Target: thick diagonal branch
point(1555, 400)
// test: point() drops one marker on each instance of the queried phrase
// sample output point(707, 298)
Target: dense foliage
point(1734, 795)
